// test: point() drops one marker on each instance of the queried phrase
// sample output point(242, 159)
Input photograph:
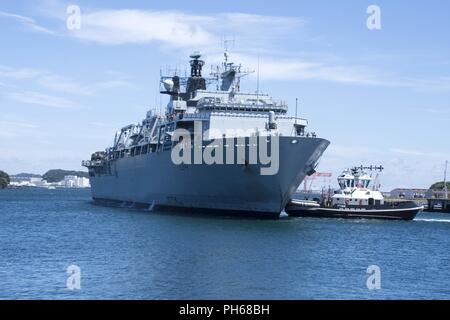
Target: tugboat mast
point(369, 168)
point(445, 181)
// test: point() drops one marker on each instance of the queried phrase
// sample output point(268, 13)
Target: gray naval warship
point(240, 152)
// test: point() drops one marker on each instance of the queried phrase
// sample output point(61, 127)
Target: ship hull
point(154, 180)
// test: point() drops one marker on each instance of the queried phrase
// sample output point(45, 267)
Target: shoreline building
point(70, 181)
point(75, 182)
point(27, 181)
point(409, 193)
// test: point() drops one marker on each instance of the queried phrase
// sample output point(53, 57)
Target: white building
point(28, 182)
point(83, 182)
point(75, 182)
point(410, 194)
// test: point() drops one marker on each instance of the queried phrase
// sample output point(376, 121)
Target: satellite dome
point(168, 84)
point(195, 55)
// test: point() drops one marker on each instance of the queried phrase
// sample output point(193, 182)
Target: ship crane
point(313, 177)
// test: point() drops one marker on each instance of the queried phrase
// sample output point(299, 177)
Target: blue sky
point(380, 96)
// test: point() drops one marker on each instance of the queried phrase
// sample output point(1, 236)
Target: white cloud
point(420, 153)
point(27, 22)
point(402, 167)
point(18, 73)
point(62, 84)
point(351, 151)
point(14, 129)
point(18, 78)
point(137, 26)
point(187, 31)
point(438, 111)
point(37, 98)
point(272, 67)
point(110, 84)
point(275, 68)
point(174, 28)
point(101, 124)
point(54, 82)
point(18, 124)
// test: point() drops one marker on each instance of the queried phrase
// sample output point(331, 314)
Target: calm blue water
point(133, 254)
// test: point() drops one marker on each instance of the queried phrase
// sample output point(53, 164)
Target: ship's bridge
point(348, 180)
point(236, 101)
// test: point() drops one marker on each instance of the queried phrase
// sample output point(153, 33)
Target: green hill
point(26, 175)
point(56, 175)
point(4, 179)
point(440, 185)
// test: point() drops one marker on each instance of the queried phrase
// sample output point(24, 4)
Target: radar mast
point(228, 75)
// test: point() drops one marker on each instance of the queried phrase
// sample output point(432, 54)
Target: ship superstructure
point(240, 151)
point(354, 188)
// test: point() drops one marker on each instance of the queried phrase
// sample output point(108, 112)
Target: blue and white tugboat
point(355, 200)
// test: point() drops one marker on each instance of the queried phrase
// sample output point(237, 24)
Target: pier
point(439, 205)
point(434, 204)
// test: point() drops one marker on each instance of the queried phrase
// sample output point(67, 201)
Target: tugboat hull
point(388, 211)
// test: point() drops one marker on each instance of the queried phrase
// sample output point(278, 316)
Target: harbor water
point(125, 253)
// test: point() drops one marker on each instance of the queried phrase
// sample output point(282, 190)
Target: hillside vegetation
point(27, 175)
point(440, 185)
point(4, 179)
point(56, 175)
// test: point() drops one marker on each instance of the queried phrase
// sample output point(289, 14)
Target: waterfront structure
point(27, 181)
point(37, 182)
point(438, 204)
point(440, 199)
point(409, 193)
point(75, 182)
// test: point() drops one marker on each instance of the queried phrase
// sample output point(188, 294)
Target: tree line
point(4, 179)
